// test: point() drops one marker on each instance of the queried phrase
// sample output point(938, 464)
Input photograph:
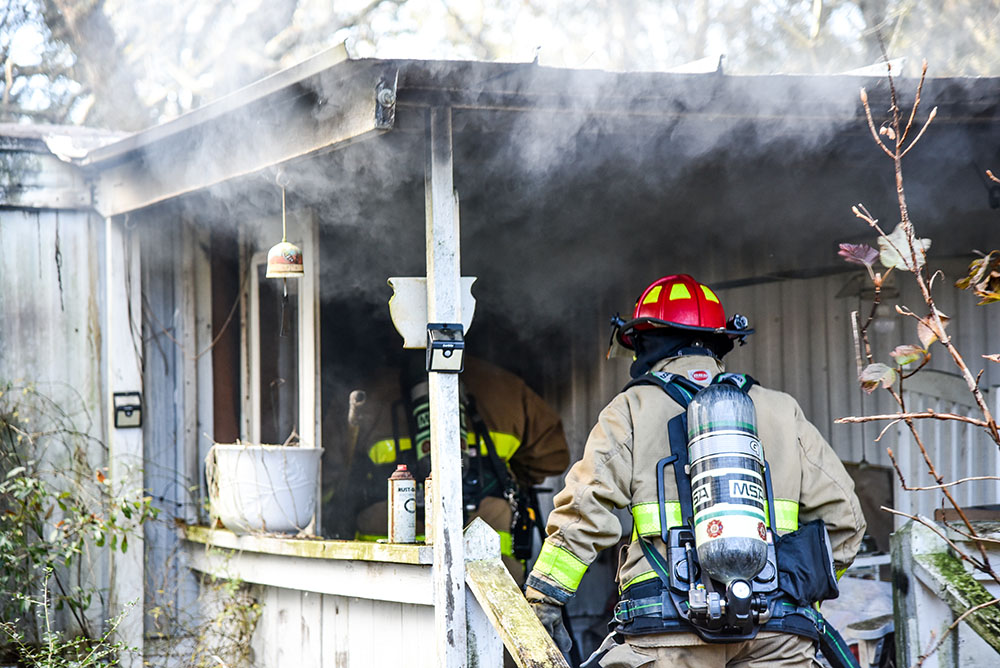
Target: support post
point(444, 305)
point(123, 373)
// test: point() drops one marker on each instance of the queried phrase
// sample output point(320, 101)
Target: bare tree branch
point(954, 625)
point(918, 415)
point(959, 552)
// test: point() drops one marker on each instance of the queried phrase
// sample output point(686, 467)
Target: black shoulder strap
point(740, 381)
point(500, 469)
point(679, 388)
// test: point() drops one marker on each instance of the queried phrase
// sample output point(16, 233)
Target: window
point(280, 373)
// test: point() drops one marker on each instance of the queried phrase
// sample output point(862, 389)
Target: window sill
point(311, 548)
point(377, 571)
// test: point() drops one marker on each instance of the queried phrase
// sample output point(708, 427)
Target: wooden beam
point(34, 180)
point(329, 109)
point(374, 580)
point(444, 305)
point(123, 373)
point(501, 599)
point(308, 548)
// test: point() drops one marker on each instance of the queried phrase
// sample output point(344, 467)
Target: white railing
point(346, 604)
point(933, 588)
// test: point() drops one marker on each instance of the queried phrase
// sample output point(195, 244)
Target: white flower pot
point(263, 488)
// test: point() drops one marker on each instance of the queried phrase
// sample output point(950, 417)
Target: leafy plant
point(56, 510)
point(225, 638)
point(56, 649)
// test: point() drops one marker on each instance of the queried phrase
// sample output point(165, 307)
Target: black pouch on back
point(805, 564)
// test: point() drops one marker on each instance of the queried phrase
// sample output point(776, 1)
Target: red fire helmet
point(680, 302)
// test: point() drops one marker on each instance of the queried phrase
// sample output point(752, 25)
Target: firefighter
point(679, 333)
point(512, 440)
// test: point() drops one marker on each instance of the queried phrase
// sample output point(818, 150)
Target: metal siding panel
point(792, 361)
point(816, 323)
point(841, 380)
point(767, 304)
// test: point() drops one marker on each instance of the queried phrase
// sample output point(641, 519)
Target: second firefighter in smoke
point(511, 441)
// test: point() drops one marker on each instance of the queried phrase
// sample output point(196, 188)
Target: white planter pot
point(263, 488)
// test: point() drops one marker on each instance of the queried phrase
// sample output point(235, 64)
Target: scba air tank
point(727, 484)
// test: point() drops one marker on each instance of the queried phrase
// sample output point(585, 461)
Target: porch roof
point(755, 174)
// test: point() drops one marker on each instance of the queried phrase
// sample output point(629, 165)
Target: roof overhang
point(320, 104)
point(331, 101)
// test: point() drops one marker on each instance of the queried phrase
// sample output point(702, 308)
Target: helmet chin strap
point(696, 348)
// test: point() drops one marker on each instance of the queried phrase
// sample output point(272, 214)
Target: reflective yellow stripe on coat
point(384, 451)
point(646, 522)
point(646, 516)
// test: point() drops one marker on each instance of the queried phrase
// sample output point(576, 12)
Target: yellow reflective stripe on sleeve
point(506, 445)
point(786, 514)
point(560, 565)
point(384, 451)
point(642, 577)
point(506, 543)
point(646, 517)
point(840, 572)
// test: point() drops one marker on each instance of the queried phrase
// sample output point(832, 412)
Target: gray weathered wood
point(444, 305)
point(240, 139)
point(37, 180)
point(403, 583)
point(122, 328)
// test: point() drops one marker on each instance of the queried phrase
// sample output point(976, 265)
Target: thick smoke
point(597, 183)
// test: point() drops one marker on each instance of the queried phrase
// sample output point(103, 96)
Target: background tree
point(127, 64)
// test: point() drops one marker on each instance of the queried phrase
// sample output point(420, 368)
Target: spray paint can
point(429, 510)
point(402, 506)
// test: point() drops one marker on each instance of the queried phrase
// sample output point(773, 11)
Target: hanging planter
point(262, 488)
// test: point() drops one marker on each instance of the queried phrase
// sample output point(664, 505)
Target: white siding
point(310, 630)
point(50, 322)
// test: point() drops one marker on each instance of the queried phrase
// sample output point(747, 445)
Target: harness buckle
point(622, 615)
point(666, 605)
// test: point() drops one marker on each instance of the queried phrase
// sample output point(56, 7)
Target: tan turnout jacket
point(527, 434)
point(618, 470)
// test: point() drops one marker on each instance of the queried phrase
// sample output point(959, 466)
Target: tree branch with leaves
point(904, 252)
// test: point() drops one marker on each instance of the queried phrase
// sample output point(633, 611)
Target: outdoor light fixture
point(128, 409)
point(445, 347)
point(284, 260)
